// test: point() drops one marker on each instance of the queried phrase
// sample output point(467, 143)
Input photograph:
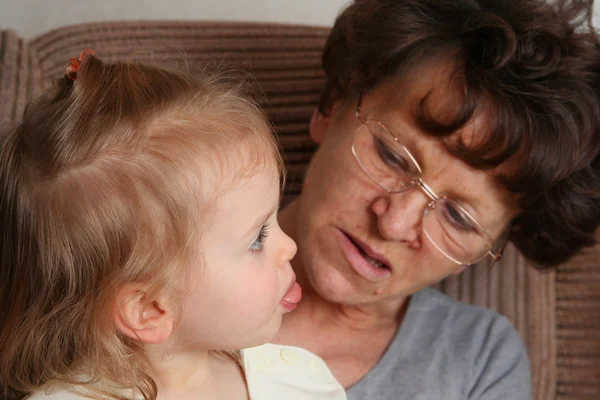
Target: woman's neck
point(385, 313)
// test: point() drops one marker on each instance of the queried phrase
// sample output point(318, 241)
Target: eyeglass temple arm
point(358, 105)
point(498, 255)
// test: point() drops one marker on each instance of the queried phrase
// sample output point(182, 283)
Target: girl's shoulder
point(57, 393)
point(67, 392)
point(277, 371)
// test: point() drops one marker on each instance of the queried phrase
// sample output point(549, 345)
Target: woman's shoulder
point(466, 328)
point(431, 301)
point(480, 348)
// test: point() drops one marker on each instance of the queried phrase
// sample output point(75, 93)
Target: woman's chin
point(336, 288)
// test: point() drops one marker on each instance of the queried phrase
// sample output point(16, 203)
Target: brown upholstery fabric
point(578, 329)
point(16, 76)
point(557, 314)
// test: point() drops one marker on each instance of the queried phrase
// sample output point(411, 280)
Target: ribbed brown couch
point(557, 314)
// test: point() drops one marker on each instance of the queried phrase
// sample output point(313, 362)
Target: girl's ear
point(149, 320)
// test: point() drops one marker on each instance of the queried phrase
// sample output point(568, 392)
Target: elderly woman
point(446, 128)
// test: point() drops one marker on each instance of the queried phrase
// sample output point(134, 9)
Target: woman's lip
point(369, 251)
point(357, 261)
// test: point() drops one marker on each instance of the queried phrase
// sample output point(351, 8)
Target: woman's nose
point(399, 215)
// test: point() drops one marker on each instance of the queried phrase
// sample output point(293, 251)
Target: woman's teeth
point(374, 263)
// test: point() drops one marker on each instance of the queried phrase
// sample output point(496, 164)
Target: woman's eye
point(457, 218)
point(258, 243)
point(390, 157)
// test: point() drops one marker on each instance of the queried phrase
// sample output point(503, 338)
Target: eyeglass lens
point(390, 165)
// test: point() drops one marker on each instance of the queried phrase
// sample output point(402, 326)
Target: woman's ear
point(148, 320)
point(320, 123)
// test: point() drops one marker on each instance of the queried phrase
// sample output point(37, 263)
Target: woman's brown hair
point(106, 182)
point(533, 66)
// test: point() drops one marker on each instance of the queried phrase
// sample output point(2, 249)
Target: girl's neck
point(195, 374)
point(179, 370)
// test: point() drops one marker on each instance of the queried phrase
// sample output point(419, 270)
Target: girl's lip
point(358, 262)
point(292, 297)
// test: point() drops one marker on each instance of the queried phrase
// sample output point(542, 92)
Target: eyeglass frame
point(433, 197)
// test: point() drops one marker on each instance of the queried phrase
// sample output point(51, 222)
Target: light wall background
point(32, 17)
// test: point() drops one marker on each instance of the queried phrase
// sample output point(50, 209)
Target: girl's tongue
point(292, 297)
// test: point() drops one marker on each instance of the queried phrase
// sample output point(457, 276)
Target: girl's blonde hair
point(106, 182)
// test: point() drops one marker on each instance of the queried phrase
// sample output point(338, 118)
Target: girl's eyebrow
point(259, 222)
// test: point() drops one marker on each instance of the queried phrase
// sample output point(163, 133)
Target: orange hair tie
point(75, 63)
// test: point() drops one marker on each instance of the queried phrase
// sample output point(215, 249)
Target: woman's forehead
point(440, 84)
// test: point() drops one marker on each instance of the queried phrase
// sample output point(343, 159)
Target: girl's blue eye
point(258, 243)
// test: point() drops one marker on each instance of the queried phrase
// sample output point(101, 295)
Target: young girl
point(140, 244)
